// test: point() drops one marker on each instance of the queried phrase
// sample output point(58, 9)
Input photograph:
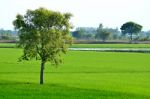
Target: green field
point(10, 45)
point(7, 45)
point(83, 75)
point(111, 46)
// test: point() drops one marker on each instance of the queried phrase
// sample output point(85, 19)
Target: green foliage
point(78, 34)
point(130, 28)
point(86, 33)
point(6, 34)
point(44, 35)
point(102, 75)
point(102, 33)
point(89, 33)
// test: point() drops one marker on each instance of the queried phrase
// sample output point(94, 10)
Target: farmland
point(84, 74)
point(10, 45)
point(110, 46)
point(75, 49)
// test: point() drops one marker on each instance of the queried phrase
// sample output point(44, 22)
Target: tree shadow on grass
point(4, 82)
point(18, 90)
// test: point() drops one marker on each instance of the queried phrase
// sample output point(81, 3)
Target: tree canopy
point(44, 35)
point(102, 33)
point(130, 28)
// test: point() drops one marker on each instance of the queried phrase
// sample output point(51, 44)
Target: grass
point(7, 45)
point(12, 45)
point(83, 75)
point(111, 46)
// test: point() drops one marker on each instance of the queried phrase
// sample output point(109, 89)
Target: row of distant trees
point(8, 35)
point(129, 31)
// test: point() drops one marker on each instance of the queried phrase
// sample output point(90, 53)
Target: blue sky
point(87, 13)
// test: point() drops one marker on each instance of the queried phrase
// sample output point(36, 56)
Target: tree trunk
point(42, 73)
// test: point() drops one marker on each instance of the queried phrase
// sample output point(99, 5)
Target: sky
point(86, 13)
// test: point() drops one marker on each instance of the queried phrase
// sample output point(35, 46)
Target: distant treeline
point(105, 33)
point(8, 35)
point(100, 34)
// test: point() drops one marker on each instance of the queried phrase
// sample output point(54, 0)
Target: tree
point(102, 33)
point(77, 34)
point(85, 33)
point(131, 28)
point(5, 34)
point(44, 35)
point(115, 33)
